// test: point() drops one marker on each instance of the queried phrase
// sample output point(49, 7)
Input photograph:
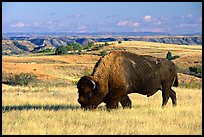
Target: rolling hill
point(35, 44)
point(67, 69)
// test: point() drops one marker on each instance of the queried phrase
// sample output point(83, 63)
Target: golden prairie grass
point(47, 67)
point(69, 68)
point(53, 109)
point(157, 49)
point(33, 110)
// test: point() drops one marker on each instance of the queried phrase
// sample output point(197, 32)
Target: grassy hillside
point(50, 105)
point(68, 68)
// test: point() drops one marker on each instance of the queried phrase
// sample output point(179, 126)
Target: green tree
point(106, 44)
point(169, 55)
point(69, 47)
point(74, 47)
point(77, 46)
point(89, 45)
point(61, 50)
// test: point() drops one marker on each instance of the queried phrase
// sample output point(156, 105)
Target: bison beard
point(121, 73)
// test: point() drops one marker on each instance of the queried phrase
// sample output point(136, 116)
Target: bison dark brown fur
point(120, 73)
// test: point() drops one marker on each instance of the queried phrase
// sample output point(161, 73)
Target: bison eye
point(90, 94)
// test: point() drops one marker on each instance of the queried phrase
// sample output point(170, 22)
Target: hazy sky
point(171, 17)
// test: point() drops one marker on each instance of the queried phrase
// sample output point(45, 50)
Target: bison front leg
point(113, 104)
point(126, 102)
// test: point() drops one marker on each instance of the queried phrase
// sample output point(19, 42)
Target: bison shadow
point(40, 107)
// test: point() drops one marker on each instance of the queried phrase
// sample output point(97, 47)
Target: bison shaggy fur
point(120, 73)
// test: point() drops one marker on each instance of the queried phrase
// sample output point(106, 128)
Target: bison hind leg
point(165, 95)
point(172, 95)
point(126, 102)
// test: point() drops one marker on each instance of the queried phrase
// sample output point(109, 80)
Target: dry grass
point(52, 108)
point(28, 110)
point(189, 60)
point(50, 67)
point(156, 49)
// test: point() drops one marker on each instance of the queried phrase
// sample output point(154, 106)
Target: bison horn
point(94, 84)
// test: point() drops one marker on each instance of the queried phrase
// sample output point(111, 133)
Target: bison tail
point(176, 81)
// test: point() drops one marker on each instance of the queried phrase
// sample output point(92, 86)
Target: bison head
point(88, 92)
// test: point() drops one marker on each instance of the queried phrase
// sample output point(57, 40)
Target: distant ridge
point(33, 34)
point(17, 43)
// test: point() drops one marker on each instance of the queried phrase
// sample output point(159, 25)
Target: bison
point(120, 73)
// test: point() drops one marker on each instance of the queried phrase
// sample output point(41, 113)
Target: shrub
point(119, 42)
point(170, 57)
point(21, 79)
point(61, 50)
point(4, 77)
point(193, 70)
point(106, 44)
point(196, 71)
point(47, 50)
point(175, 57)
point(103, 53)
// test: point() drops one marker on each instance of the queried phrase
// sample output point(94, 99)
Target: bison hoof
point(113, 106)
point(174, 105)
point(127, 107)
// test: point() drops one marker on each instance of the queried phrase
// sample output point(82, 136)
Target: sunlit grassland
point(51, 107)
point(33, 110)
point(157, 49)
